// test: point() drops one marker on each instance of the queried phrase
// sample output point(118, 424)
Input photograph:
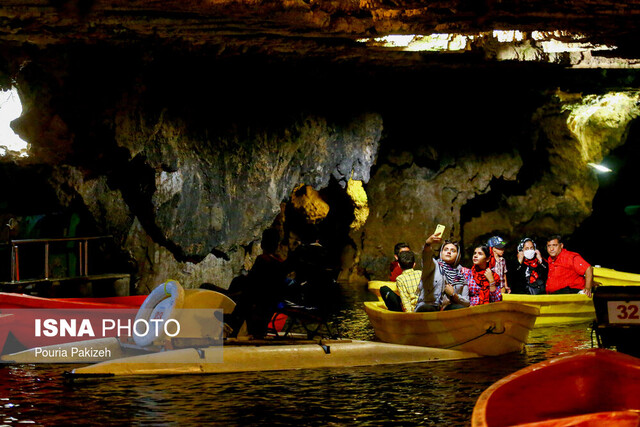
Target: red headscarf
point(483, 283)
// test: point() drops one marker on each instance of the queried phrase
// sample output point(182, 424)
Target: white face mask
point(529, 253)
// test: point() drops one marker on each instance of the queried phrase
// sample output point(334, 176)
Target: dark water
point(435, 393)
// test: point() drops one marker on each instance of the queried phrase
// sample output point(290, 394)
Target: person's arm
point(449, 297)
point(543, 271)
point(461, 297)
point(471, 289)
point(506, 289)
point(494, 285)
point(428, 266)
point(493, 279)
point(579, 265)
point(474, 291)
point(588, 281)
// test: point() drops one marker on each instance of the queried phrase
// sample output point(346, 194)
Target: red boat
point(585, 388)
point(16, 310)
point(9, 300)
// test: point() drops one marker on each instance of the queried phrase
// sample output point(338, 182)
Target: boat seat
point(311, 319)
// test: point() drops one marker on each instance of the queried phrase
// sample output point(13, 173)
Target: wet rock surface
point(183, 134)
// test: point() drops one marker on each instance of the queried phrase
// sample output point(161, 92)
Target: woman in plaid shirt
point(484, 284)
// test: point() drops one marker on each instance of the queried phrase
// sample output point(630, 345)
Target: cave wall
point(538, 184)
point(185, 157)
point(185, 161)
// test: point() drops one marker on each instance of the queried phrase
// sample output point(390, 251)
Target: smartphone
point(440, 229)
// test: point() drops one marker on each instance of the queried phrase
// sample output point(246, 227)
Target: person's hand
point(520, 257)
point(434, 238)
point(587, 290)
point(506, 290)
point(538, 255)
point(445, 302)
point(489, 275)
point(448, 289)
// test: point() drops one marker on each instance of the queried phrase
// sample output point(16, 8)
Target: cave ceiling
point(339, 30)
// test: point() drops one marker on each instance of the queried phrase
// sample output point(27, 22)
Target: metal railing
point(83, 254)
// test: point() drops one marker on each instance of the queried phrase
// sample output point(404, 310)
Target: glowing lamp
point(600, 168)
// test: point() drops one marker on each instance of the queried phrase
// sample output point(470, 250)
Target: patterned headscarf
point(452, 273)
point(530, 273)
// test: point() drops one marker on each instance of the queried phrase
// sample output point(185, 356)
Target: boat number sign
point(624, 311)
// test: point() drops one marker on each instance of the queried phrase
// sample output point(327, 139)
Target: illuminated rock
point(308, 202)
point(356, 191)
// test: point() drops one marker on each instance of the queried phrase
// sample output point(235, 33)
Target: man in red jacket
point(569, 273)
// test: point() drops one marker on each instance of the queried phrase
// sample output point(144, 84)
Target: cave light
point(548, 41)
point(599, 167)
point(508, 36)
point(417, 43)
point(10, 109)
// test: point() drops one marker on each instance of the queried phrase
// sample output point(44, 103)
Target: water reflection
point(441, 393)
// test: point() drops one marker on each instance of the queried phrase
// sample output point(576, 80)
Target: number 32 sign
point(624, 311)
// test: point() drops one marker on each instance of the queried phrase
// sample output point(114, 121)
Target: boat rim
point(378, 306)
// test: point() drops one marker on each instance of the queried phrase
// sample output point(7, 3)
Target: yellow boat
point(488, 330)
point(375, 285)
point(573, 308)
point(199, 349)
point(251, 358)
point(116, 358)
point(610, 277)
point(554, 309)
point(557, 309)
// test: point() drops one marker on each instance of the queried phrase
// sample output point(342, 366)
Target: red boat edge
point(21, 338)
point(582, 384)
point(11, 300)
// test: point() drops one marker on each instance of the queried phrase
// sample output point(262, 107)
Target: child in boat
point(444, 284)
point(408, 281)
point(498, 264)
point(532, 271)
point(485, 284)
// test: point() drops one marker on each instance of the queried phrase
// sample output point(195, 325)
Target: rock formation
point(184, 129)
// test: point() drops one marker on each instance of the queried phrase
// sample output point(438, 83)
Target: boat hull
point(247, 357)
point(19, 311)
point(488, 330)
point(554, 309)
point(565, 387)
point(557, 309)
point(11, 301)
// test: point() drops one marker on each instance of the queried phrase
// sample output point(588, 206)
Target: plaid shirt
point(407, 284)
point(501, 269)
point(474, 289)
point(567, 269)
